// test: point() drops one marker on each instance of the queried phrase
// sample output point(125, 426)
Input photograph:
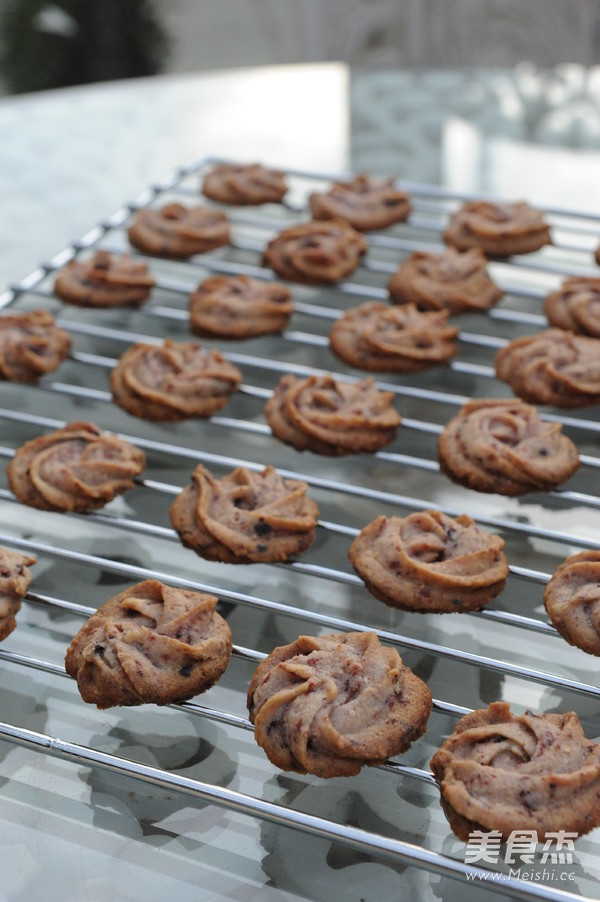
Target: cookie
point(497, 445)
point(457, 281)
point(330, 705)
point(245, 517)
point(151, 644)
point(15, 580)
point(104, 281)
point(31, 345)
point(575, 306)
point(429, 563)
point(552, 367)
point(245, 184)
point(498, 229)
point(315, 253)
point(77, 468)
point(505, 772)
point(173, 382)
point(387, 339)
point(365, 202)
point(178, 231)
point(327, 416)
point(572, 600)
point(239, 307)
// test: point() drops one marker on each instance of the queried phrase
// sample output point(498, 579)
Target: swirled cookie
point(324, 415)
point(76, 468)
point(173, 381)
point(575, 306)
point(15, 579)
point(249, 183)
point(495, 445)
point(365, 202)
point(387, 339)
point(31, 345)
point(104, 281)
point(503, 771)
point(457, 281)
point(429, 563)
point(315, 253)
point(151, 644)
point(330, 705)
point(572, 600)
point(552, 367)
point(245, 517)
point(239, 307)
point(498, 229)
point(178, 231)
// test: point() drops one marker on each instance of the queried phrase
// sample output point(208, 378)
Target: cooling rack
point(93, 797)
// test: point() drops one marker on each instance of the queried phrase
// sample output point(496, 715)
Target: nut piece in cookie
point(315, 253)
point(502, 771)
point(31, 345)
point(497, 445)
point(239, 307)
point(104, 281)
point(15, 580)
point(575, 306)
point(173, 381)
point(365, 202)
point(245, 517)
point(429, 563)
point(77, 468)
point(151, 644)
point(327, 416)
point(243, 184)
point(178, 231)
point(572, 600)
point(333, 704)
point(498, 229)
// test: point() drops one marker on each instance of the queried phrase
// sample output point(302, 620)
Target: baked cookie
point(239, 307)
point(495, 445)
point(15, 580)
point(330, 705)
point(315, 253)
point(456, 281)
point(498, 229)
point(387, 339)
point(77, 468)
point(31, 345)
point(326, 416)
point(575, 306)
point(245, 517)
point(178, 231)
point(365, 202)
point(572, 600)
point(104, 281)
point(552, 367)
point(151, 644)
point(174, 381)
point(503, 771)
point(244, 184)
point(429, 563)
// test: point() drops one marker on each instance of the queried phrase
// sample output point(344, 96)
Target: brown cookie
point(173, 381)
point(429, 563)
point(498, 229)
point(77, 468)
point(151, 644)
point(244, 184)
point(572, 600)
point(178, 231)
point(552, 367)
point(456, 281)
point(245, 517)
point(315, 253)
point(505, 772)
point(365, 202)
point(497, 445)
point(327, 416)
point(104, 281)
point(387, 339)
point(31, 345)
point(15, 580)
point(333, 704)
point(239, 307)
point(575, 306)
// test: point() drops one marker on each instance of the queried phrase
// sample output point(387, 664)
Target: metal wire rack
point(189, 777)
